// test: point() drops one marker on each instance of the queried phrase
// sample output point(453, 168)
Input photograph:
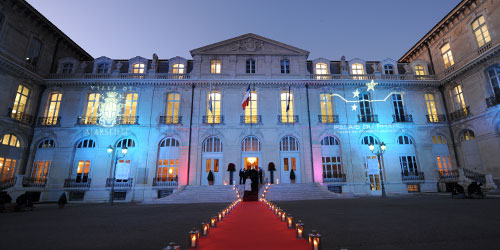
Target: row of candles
point(314, 238)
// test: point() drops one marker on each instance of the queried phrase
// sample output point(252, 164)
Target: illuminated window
point(168, 164)
point(250, 69)
point(67, 68)
point(130, 108)
point(494, 77)
point(173, 103)
point(40, 171)
point(47, 143)
point(52, 110)
point(86, 143)
point(321, 69)
point(178, 68)
point(285, 66)
point(444, 164)
point(408, 165)
point(138, 68)
point(467, 135)
point(214, 107)
point(332, 167)
point(369, 140)
point(329, 141)
point(438, 139)
point(357, 69)
point(130, 143)
point(365, 107)
point(10, 140)
point(34, 51)
point(481, 31)
point(103, 68)
point(287, 107)
point(430, 101)
point(289, 144)
point(388, 69)
point(326, 103)
point(250, 144)
point(20, 103)
point(458, 98)
point(82, 171)
point(399, 111)
point(212, 145)
point(447, 56)
point(251, 109)
point(413, 188)
point(91, 109)
point(7, 167)
point(215, 67)
point(419, 70)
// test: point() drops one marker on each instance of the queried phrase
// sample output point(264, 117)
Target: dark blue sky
point(122, 29)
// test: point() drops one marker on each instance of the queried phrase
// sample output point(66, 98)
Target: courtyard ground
point(398, 222)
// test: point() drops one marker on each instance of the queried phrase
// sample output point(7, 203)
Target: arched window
point(287, 107)
point(10, 140)
point(169, 142)
point(357, 69)
point(389, 69)
point(173, 103)
point(130, 109)
point(438, 139)
point(404, 139)
point(214, 107)
point(86, 143)
point(467, 135)
point(321, 69)
point(289, 143)
point(215, 66)
point(46, 143)
point(168, 162)
point(102, 68)
point(419, 70)
point(447, 55)
point(250, 69)
point(329, 141)
point(481, 31)
point(285, 66)
point(369, 140)
point(67, 68)
point(326, 103)
point(138, 68)
point(212, 145)
point(178, 68)
point(250, 144)
point(494, 77)
point(130, 143)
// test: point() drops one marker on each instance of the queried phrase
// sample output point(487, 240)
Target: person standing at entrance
point(241, 176)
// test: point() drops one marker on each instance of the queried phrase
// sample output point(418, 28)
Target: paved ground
point(402, 222)
point(101, 226)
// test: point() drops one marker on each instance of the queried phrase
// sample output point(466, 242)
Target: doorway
point(372, 175)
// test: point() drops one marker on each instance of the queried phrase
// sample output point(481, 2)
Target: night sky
point(122, 29)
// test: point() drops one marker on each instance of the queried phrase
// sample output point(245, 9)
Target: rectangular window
point(40, 171)
point(250, 66)
point(216, 165)
point(419, 70)
point(173, 103)
point(287, 107)
point(251, 109)
point(408, 165)
point(67, 68)
point(458, 98)
point(91, 109)
point(444, 164)
point(285, 67)
point(167, 170)
point(481, 31)
point(178, 68)
point(447, 56)
point(34, 51)
point(138, 68)
point(130, 108)
point(102, 68)
point(7, 167)
point(20, 103)
point(365, 107)
point(215, 67)
point(82, 172)
point(332, 167)
point(321, 69)
point(294, 165)
point(214, 107)
point(286, 166)
point(52, 110)
point(326, 103)
point(399, 111)
point(430, 101)
point(208, 166)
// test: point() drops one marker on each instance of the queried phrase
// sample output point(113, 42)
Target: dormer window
point(250, 66)
point(178, 68)
point(388, 69)
point(321, 69)
point(419, 70)
point(357, 69)
point(285, 66)
point(215, 67)
point(67, 68)
point(138, 68)
point(102, 68)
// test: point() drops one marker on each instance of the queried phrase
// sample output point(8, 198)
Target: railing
point(449, 175)
point(172, 76)
point(328, 119)
point(157, 182)
point(34, 182)
point(449, 70)
point(492, 101)
point(213, 119)
point(49, 121)
point(30, 67)
point(127, 120)
point(250, 119)
point(21, 116)
point(412, 176)
point(484, 48)
point(288, 119)
point(119, 76)
point(8, 183)
point(171, 119)
point(373, 76)
point(334, 178)
point(436, 118)
point(459, 114)
point(119, 183)
point(72, 183)
point(475, 176)
point(402, 118)
point(87, 120)
point(368, 118)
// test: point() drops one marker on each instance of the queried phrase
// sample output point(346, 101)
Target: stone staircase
point(301, 191)
point(200, 194)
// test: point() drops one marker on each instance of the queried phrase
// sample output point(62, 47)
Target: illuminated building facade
point(181, 118)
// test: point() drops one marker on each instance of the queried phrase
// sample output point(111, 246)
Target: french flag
point(246, 98)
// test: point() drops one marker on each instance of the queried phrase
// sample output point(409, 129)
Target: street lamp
point(380, 154)
point(110, 151)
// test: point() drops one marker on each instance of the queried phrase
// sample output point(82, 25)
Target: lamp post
point(110, 151)
point(380, 153)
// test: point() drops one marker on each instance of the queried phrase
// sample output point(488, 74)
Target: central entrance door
point(372, 174)
point(212, 164)
point(287, 164)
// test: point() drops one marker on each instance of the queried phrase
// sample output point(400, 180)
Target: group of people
point(256, 177)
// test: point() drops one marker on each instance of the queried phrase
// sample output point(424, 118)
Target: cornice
point(19, 70)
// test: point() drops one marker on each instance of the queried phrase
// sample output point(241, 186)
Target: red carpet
point(252, 225)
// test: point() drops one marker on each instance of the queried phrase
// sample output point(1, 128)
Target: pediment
point(249, 44)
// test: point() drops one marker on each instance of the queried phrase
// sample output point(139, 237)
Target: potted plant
point(271, 168)
point(210, 178)
point(231, 168)
point(292, 176)
point(62, 200)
